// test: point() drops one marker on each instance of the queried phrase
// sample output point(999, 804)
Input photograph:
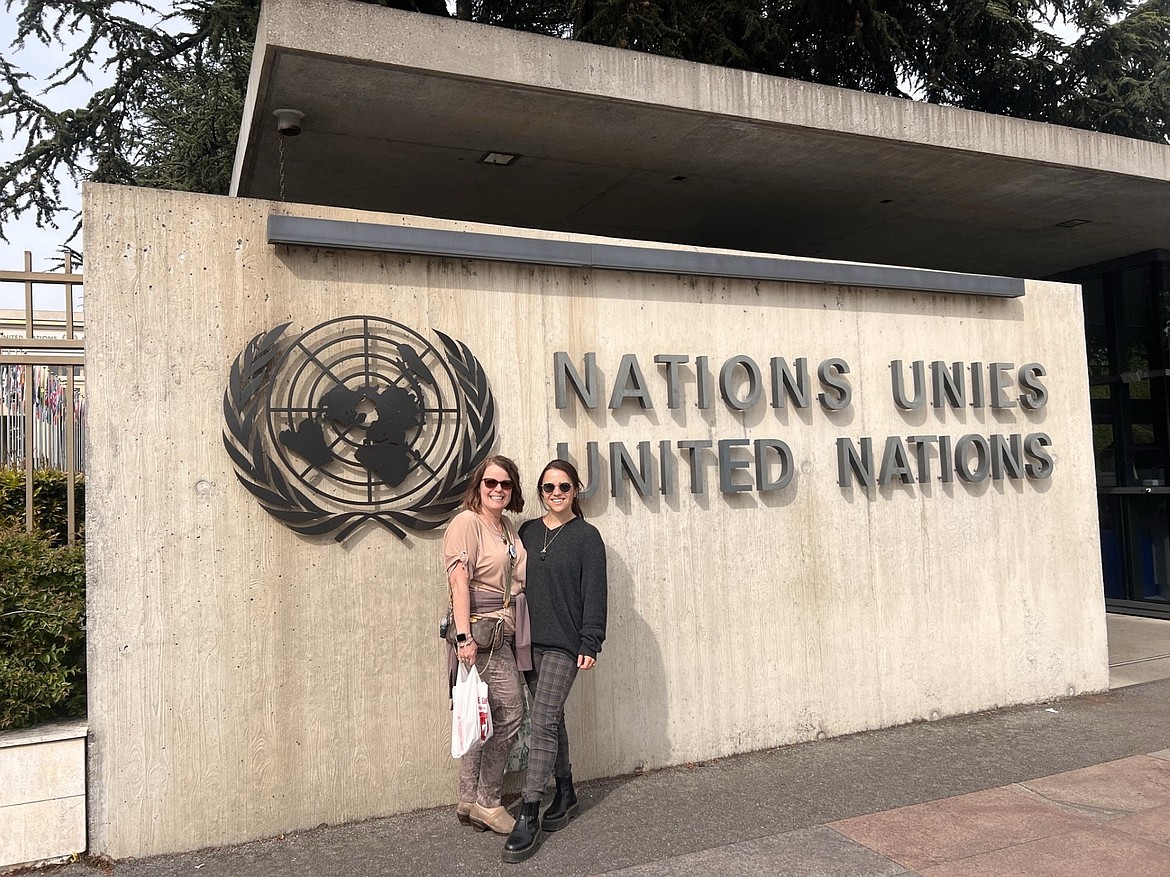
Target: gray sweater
point(566, 589)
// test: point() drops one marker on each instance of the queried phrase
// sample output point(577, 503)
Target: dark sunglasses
point(549, 487)
point(492, 483)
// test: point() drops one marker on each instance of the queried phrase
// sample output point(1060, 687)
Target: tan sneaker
point(463, 812)
point(496, 819)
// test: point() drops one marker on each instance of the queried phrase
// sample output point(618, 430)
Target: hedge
point(42, 602)
point(50, 496)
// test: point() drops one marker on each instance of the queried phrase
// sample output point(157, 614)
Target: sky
point(23, 234)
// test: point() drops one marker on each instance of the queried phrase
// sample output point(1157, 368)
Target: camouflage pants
point(481, 771)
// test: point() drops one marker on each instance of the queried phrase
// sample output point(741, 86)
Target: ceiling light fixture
point(503, 159)
point(288, 122)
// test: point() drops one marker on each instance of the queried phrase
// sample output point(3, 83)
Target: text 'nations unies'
point(767, 464)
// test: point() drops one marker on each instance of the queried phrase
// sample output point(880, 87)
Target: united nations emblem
point(357, 419)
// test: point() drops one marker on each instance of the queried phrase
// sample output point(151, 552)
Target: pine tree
point(169, 117)
point(1117, 76)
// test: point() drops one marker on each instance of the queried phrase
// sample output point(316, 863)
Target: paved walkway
point(1077, 787)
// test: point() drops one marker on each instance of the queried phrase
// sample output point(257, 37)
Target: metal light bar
point(303, 231)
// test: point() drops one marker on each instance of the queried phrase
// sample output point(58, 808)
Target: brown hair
point(471, 497)
point(570, 470)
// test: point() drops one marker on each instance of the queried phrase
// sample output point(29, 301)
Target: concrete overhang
point(401, 108)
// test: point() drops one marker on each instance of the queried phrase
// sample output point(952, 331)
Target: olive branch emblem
point(244, 407)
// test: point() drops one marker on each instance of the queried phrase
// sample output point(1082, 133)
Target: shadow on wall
point(618, 714)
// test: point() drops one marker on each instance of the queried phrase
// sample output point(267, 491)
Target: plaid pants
point(481, 771)
point(549, 681)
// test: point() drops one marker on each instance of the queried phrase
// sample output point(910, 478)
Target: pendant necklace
point(547, 541)
point(499, 532)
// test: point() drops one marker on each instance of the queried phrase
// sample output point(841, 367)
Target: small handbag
point(488, 633)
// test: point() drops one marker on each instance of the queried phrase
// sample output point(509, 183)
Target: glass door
point(1127, 334)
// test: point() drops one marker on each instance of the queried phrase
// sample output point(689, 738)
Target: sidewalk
point(1070, 788)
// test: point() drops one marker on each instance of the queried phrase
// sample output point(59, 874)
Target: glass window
point(1140, 338)
point(1127, 331)
point(1093, 296)
point(1096, 328)
point(1112, 562)
point(1105, 454)
point(1149, 548)
point(1148, 467)
point(1144, 416)
point(1163, 287)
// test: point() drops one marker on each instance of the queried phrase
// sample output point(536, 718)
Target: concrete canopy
point(401, 108)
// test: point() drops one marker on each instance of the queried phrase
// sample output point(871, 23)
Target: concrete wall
point(245, 681)
point(42, 793)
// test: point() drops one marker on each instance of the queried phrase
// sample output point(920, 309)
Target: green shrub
point(42, 629)
point(50, 498)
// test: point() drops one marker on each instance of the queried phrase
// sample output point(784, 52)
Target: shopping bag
point(471, 717)
point(484, 709)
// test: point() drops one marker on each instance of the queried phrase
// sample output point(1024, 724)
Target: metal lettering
point(787, 467)
point(621, 467)
point(844, 392)
point(895, 463)
point(1034, 446)
point(1007, 456)
point(948, 386)
point(982, 456)
point(946, 461)
point(703, 382)
point(727, 466)
point(922, 445)
point(630, 373)
point(1035, 394)
point(666, 469)
point(977, 399)
point(564, 373)
point(785, 385)
point(698, 473)
point(997, 381)
point(850, 461)
point(754, 382)
point(673, 382)
point(899, 386)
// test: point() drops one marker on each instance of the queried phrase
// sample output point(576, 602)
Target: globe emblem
point(363, 411)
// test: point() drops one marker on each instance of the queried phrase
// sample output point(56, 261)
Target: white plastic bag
point(471, 717)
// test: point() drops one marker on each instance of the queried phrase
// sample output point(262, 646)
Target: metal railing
point(41, 380)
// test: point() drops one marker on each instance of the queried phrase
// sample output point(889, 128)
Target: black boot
point(563, 807)
point(526, 837)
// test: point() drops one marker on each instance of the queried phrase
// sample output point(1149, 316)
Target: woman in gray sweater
point(566, 592)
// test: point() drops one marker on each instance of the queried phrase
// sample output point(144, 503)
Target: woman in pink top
point(485, 565)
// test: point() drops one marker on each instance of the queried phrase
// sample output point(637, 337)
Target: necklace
point(547, 541)
point(499, 532)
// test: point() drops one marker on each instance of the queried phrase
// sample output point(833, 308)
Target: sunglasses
point(549, 487)
point(492, 483)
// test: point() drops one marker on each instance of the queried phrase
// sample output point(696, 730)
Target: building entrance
point(1127, 328)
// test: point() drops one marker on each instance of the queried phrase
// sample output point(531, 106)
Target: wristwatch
point(461, 638)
